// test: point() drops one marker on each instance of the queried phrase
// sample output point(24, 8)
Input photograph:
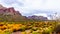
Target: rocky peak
point(10, 14)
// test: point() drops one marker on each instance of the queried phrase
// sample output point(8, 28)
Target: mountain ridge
point(10, 14)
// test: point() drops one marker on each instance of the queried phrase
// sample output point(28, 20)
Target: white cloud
point(41, 14)
point(34, 4)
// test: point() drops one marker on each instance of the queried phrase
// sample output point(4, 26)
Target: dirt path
point(17, 32)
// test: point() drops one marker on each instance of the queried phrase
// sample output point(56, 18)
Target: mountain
point(34, 17)
point(10, 14)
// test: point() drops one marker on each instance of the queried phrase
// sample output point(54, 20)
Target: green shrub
point(35, 32)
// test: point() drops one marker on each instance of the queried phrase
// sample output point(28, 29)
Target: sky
point(34, 7)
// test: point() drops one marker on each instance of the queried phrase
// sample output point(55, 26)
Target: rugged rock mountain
point(9, 14)
point(34, 17)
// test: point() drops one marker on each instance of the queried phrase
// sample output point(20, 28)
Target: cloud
point(10, 2)
point(41, 14)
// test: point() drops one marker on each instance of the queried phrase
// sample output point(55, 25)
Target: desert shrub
point(35, 32)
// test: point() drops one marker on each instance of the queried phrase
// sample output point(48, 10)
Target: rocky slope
point(9, 14)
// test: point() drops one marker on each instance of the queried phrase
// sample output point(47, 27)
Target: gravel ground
point(17, 32)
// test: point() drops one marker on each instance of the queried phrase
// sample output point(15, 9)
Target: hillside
point(10, 14)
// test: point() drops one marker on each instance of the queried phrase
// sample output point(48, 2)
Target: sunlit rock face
point(10, 14)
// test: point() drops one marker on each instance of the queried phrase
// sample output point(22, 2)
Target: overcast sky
point(33, 7)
